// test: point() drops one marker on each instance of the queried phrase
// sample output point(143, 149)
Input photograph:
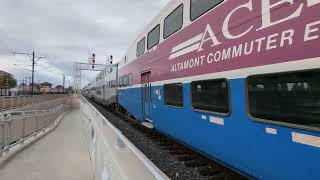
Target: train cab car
point(237, 80)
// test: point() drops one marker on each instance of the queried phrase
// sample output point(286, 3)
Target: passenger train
point(236, 80)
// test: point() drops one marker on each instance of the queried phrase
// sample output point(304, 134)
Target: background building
point(45, 87)
point(7, 82)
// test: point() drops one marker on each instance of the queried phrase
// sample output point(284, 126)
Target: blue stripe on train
point(240, 142)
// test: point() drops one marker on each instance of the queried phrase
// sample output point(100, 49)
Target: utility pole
point(64, 79)
point(32, 85)
point(24, 86)
point(33, 64)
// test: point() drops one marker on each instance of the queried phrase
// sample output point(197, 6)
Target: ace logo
point(267, 9)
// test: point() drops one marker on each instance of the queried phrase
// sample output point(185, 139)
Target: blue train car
point(236, 80)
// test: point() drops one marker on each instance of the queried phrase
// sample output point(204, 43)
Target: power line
point(1, 42)
point(34, 60)
point(7, 47)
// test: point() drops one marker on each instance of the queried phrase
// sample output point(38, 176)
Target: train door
point(146, 96)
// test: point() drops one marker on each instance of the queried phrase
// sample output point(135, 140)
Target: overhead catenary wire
point(1, 42)
point(25, 67)
point(34, 59)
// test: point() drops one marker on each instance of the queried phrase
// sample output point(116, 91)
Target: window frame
point(144, 50)
point(213, 112)
point(131, 74)
point(168, 105)
point(164, 25)
point(149, 34)
point(274, 122)
point(203, 12)
point(121, 81)
point(125, 80)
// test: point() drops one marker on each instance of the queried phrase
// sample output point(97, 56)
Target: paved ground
point(60, 155)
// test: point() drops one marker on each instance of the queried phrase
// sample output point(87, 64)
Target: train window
point(153, 37)
point(141, 46)
point(211, 95)
point(130, 78)
point(292, 97)
point(199, 7)
point(173, 94)
point(173, 22)
point(125, 80)
point(121, 82)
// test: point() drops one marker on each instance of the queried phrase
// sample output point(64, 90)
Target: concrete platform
point(60, 155)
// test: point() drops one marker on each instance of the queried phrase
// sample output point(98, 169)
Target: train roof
point(130, 53)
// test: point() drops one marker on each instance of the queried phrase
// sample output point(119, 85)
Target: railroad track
point(206, 167)
point(203, 168)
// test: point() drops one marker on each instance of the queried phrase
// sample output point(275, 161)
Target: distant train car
point(237, 80)
point(104, 88)
point(88, 90)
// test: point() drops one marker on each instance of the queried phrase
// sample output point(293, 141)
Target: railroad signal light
point(93, 59)
point(93, 67)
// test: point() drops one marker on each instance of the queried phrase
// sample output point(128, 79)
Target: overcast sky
point(65, 31)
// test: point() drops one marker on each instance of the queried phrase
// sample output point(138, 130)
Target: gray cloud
point(64, 30)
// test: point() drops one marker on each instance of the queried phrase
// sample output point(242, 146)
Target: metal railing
point(18, 126)
point(14, 102)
